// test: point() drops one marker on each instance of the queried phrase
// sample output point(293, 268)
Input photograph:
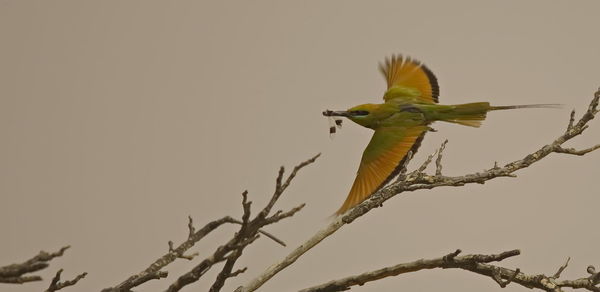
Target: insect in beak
point(334, 124)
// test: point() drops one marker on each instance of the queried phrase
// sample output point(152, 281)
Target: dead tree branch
point(154, 270)
point(249, 231)
point(418, 180)
point(476, 263)
point(15, 273)
point(56, 284)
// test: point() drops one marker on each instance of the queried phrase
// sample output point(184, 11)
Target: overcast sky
point(118, 119)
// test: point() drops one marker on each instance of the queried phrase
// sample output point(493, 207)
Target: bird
point(400, 123)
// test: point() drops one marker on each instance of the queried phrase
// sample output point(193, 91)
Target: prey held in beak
point(334, 123)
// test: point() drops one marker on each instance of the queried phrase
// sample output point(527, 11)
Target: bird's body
point(400, 123)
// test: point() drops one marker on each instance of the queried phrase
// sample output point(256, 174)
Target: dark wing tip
point(435, 88)
point(398, 168)
point(386, 68)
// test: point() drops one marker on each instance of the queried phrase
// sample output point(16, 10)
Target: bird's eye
point(359, 113)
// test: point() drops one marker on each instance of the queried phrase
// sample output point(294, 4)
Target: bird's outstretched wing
point(410, 79)
point(382, 160)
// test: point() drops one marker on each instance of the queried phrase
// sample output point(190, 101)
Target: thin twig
point(577, 152)
point(561, 269)
point(267, 234)
point(15, 273)
point(56, 284)
point(438, 160)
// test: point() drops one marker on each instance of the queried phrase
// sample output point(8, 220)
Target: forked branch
point(249, 231)
point(17, 273)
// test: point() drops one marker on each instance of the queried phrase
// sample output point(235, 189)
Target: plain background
point(118, 119)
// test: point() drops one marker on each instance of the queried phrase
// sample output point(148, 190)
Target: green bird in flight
point(400, 123)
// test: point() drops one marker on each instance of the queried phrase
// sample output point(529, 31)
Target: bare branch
point(438, 161)
point(218, 256)
point(226, 272)
point(576, 152)
point(561, 269)
point(15, 273)
point(191, 228)
point(280, 188)
point(267, 234)
point(154, 270)
point(476, 263)
point(417, 180)
point(423, 166)
point(247, 234)
point(445, 262)
point(571, 121)
point(56, 284)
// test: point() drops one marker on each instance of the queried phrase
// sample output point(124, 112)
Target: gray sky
point(121, 118)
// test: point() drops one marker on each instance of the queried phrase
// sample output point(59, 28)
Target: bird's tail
point(472, 114)
point(506, 107)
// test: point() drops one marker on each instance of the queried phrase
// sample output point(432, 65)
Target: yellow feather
point(379, 165)
point(406, 74)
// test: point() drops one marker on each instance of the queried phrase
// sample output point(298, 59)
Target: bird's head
point(364, 114)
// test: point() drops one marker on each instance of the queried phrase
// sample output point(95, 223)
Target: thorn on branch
point(561, 269)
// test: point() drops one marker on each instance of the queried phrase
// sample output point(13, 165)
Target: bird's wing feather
point(409, 79)
point(382, 160)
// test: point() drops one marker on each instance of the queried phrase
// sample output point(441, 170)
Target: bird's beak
point(329, 113)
